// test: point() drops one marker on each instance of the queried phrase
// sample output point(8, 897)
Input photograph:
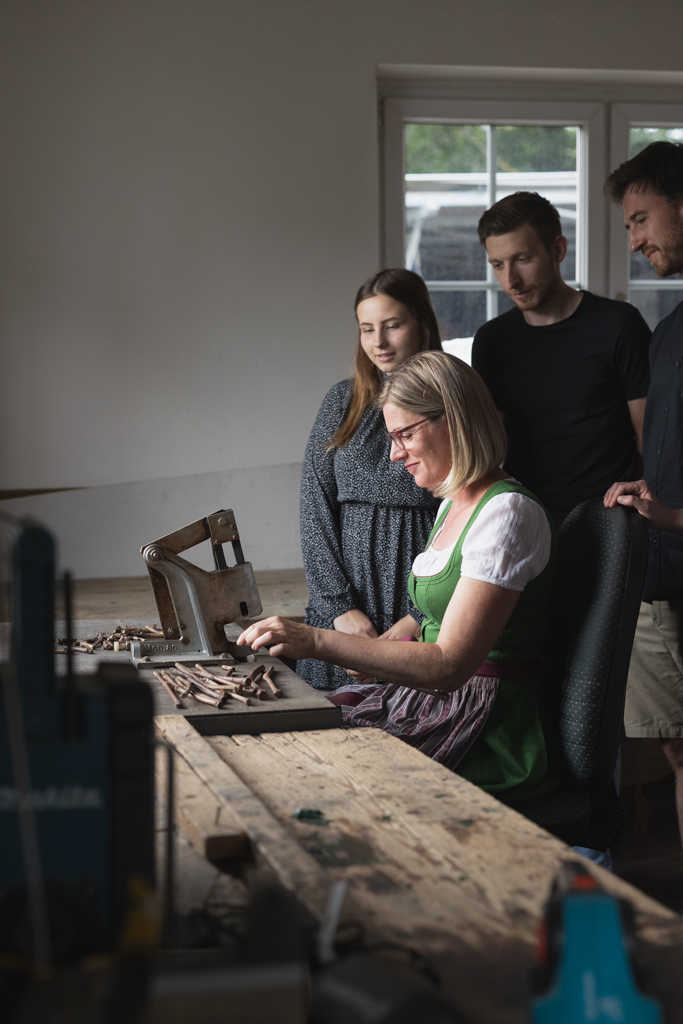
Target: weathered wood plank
point(282, 853)
point(199, 884)
point(207, 824)
point(432, 863)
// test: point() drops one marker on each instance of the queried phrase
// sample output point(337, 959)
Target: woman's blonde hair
point(434, 384)
point(408, 288)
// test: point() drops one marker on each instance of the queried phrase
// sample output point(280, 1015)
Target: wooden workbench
point(433, 864)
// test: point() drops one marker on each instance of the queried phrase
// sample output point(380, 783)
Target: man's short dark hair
point(515, 211)
point(658, 167)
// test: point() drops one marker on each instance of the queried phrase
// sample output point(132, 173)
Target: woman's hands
point(282, 636)
point(355, 622)
point(475, 617)
point(297, 640)
point(405, 629)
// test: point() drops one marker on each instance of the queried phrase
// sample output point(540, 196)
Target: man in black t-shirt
point(568, 369)
point(650, 190)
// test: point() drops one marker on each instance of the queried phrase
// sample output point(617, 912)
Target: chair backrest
point(601, 563)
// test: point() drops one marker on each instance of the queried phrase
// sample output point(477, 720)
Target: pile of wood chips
point(217, 685)
point(119, 639)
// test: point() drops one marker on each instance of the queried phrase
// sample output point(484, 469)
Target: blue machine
point(586, 971)
point(76, 790)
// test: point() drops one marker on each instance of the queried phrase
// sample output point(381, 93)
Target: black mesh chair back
point(601, 558)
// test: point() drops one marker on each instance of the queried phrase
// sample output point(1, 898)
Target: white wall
point(105, 527)
point(191, 198)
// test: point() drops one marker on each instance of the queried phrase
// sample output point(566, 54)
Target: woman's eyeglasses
point(404, 436)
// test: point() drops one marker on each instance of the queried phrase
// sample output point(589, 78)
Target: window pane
point(535, 147)
point(445, 148)
point(567, 212)
point(445, 195)
point(460, 314)
point(542, 158)
point(441, 233)
point(447, 184)
point(639, 138)
point(656, 303)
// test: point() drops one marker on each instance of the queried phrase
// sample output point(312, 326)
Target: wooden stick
point(238, 696)
point(184, 671)
point(161, 676)
point(202, 671)
point(224, 670)
point(174, 681)
point(214, 680)
point(178, 668)
point(230, 684)
point(204, 698)
point(205, 687)
point(223, 674)
point(183, 683)
point(256, 673)
point(273, 687)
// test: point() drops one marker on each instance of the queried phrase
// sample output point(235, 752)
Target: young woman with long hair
point(362, 517)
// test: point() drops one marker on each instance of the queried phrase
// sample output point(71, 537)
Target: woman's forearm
point(422, 666)
point(476, 614)
point(419, 665)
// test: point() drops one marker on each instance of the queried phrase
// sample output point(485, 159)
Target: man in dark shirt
point(568, 369)
point(650, 190)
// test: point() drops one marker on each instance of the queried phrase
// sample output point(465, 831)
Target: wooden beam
point(207, 822)
point(248, 816)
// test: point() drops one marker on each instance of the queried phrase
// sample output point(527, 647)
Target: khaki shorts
point(654, 695)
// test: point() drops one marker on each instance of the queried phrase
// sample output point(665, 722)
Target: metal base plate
point(163, 653)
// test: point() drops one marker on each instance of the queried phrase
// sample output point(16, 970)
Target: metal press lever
point(195, 605)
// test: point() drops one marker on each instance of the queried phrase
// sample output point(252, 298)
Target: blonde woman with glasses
point(472, 692)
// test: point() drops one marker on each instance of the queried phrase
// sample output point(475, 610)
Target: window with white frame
point(453, 172)
point(446, 161)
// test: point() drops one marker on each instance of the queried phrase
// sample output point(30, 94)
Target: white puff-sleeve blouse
point(508, 544)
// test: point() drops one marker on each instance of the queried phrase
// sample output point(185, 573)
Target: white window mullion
point(392, 235)
point(618, 244)
point(591, 228)
point(491, 292)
